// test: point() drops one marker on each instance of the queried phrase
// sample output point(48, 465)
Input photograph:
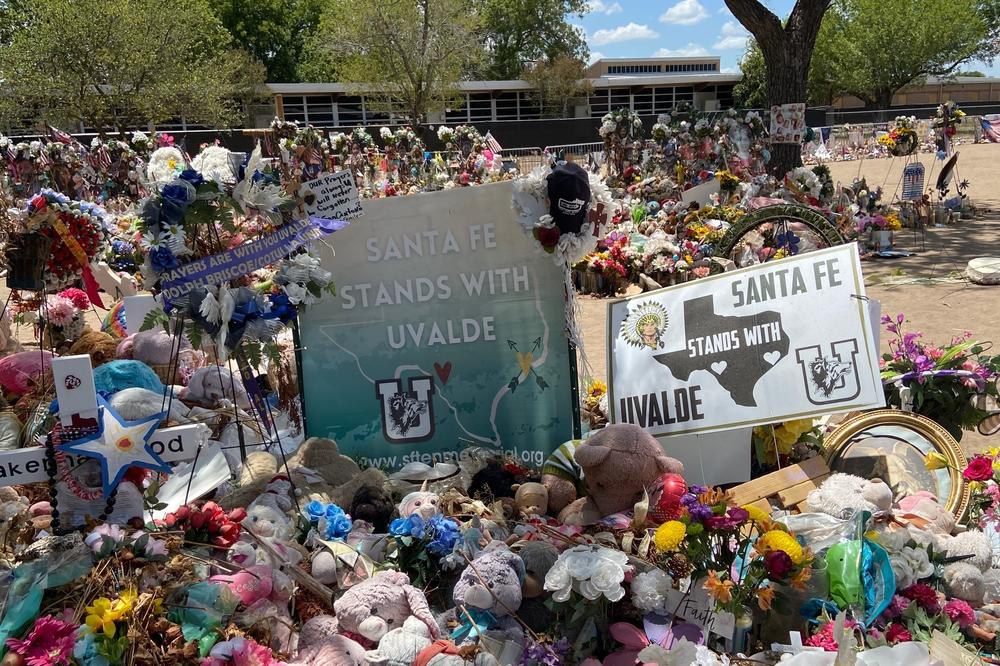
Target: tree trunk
point(786, 84)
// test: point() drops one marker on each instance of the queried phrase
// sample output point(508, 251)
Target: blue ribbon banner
point(244, 259)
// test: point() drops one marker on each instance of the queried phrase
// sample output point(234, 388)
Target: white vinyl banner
point(782, 340)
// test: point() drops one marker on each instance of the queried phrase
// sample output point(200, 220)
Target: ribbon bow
point(474, 623)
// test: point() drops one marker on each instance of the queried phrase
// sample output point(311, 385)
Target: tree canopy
point(873, 48)
point(557, 84)
point(411, 52)
point(274, 31)
point(123, 63)
point(518, 32)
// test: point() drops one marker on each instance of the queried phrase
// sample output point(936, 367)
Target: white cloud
point(729, 70)
point(622, 33)
point(685, 12)
point(733, 37)
point(689, 51)
point(601, 7)
point(595, 56)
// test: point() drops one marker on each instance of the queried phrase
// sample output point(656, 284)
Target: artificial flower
point(720, 590)
point(164, 164)
point(897, 633)
point(960, 612)
point(650, 590)
point(783, 541)
point(49, 643)
point(765, 597)
point(924, 595)
point(980, 468)
point(755, 513)
point(669, 535)
point(101, 617)
point(935, 460)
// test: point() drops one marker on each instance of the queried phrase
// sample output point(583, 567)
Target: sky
point(644, 28)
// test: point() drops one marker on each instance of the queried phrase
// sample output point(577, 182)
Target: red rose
point(897, 633)
point(980, 469)
point(778, 564)
point(548, 236)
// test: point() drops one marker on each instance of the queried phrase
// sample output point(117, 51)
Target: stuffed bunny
point(422, 503)
point(211, 384)
point(374, 607)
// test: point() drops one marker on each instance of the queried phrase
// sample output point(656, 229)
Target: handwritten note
point(333, 196)
point(695, 607)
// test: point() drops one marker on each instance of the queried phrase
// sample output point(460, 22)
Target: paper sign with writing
point(333, 196)
point(447, 331)
point(239, 261)
point(782, 340)
point(28, 465)
point(75, 390)
point(695, 607)
point(136, 309)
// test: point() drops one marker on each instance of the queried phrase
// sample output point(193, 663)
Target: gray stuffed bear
point(486, 596)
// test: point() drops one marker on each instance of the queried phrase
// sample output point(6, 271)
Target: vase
point(743, 623)
point(882, 239)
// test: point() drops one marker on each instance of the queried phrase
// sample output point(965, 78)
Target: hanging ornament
point(119, 445)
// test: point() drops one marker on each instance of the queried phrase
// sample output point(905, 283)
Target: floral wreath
point(531, 206)
point(78, 233)
point(649, 312)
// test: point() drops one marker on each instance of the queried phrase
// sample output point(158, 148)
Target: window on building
point(598, 103)
point(294, 108)
point(459, 111)
point(683, 94)
point(620, 98)
point(725, 96)
point(663, 100)
point(506, 103)
point(350, 111)
point(529, 109)
point(480, 107)
point(642, 101)
point(319, 110)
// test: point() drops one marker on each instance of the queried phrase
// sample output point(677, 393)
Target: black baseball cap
point(569, 197)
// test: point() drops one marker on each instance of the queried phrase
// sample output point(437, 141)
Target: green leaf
point(272, 352)
point(193, 332)
point(155, 317)
point(252, 350)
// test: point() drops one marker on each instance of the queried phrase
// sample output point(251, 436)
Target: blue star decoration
point(119, 445)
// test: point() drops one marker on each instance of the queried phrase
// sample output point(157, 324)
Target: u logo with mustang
point(832, 378)
point(407, 416)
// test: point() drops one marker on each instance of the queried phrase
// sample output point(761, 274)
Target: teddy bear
point(970, 558)
point(538, 558)
point(98, 345)
point(370, 609)
point(619, 462)
point(532, 498)
point(412, 644)
point(333, 650)
point(840, 495)
point(487, 595)
point(12, 505)
point(212, 384)
point(563, 477)
point(420, 502)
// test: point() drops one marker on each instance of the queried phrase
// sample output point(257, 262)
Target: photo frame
point(891, 444)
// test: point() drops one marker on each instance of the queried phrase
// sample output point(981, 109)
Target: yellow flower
point(765, 597)
point(935, 460)
point(123, 604)
point(720, 590)
point(757, 514)
point(799, 426)
point(783, 541)
point(158, 606)
point(101, 617)
point(596, 388)
point(669, 535)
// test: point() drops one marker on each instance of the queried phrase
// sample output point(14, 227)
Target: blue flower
point(281, 307)
point(446, 535)
point(412, 526)
point(788, 240)
point(163, 259)
point(314, 511)
point(180, 192)
point(192, 176)
point(335, 524)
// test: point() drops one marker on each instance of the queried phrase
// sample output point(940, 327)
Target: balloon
point(665, 497)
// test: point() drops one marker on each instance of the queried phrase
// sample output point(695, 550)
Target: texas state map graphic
point(753, 345)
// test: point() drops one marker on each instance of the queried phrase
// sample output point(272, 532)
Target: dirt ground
point(929, 288)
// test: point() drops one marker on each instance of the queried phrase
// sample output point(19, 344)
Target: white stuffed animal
point(401, 646)
point(840, 495)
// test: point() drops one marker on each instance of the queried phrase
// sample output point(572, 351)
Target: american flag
point(61, 136)
point(102, 159)
point(492, 143)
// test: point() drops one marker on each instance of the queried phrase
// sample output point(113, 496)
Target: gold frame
point(944, 443)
